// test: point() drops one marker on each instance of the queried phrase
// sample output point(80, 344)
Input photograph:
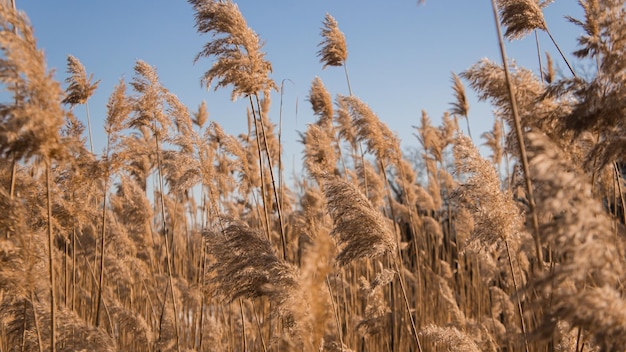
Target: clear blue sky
point(401, 55)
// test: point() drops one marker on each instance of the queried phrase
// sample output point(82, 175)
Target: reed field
point(182, 237)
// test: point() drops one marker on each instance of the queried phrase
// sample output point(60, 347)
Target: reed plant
point(179, 237)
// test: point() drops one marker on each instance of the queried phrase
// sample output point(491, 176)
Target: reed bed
point(183, 237)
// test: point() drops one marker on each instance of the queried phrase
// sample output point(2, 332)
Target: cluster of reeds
point(182, 237)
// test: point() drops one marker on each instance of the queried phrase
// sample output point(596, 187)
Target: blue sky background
point(401, 55)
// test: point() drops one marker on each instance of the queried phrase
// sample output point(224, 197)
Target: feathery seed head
point(461, 105)
point(487, 79)
point(149, 105)
point(322, 103)
point(493, 139)
point(380, 140)
point(449, 338)
point(591, 42)
point(495, 214)
point(30, 122)
point(600, 311)
point(236, 48)
point(576, 217)
point(549, 73)
point(521, 17)
point(319, 153)
point(345, 128)
point(201, 116)
point(430, 138)
point(360, 230)
point(118, 109)
point(246, 264)
point(179, 114)
point(334, 50)
point(80, 87)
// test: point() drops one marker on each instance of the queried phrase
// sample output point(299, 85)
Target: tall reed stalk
point(520, 139)
point(53, 287)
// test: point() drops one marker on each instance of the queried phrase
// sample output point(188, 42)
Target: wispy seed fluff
point(30, 122)
point(584, 284)
point(322, 103)
point(236, 48)
point(461, 106)
point(319, 154)
point(360, 230)
point(380, 140)
point(334, 51)
point(246, 265)
point(578, 228)
point(449, 338)
point(496, 216)
point(80, 87)
point(521, 17)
